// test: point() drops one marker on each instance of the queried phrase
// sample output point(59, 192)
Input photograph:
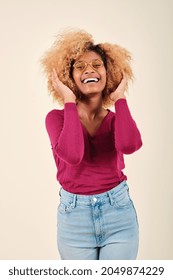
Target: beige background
point(28, 187)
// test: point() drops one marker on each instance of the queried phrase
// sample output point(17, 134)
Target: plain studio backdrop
point(29, 190)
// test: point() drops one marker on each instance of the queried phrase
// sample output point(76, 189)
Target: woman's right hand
point(65, 92)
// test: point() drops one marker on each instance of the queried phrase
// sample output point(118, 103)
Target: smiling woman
point(91, 77)
point(69, 48)
point(96, 216)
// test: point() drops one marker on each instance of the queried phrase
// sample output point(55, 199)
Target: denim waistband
point(90, 199)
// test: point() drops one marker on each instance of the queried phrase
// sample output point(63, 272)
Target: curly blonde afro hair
point(69, 46)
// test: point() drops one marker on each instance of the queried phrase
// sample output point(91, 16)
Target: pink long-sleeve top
point(91, 164)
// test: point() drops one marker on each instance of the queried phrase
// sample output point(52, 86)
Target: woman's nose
point(89, 69)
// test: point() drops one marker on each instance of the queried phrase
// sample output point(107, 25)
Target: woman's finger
point(54, 75)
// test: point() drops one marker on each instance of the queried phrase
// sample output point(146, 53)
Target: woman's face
point(89, 73)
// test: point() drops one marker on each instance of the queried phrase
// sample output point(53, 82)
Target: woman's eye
point(97, 64)
point(79, 65)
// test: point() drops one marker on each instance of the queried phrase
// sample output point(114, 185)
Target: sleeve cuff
point(69, 106)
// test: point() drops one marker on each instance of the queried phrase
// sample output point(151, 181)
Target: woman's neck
point(90, 108)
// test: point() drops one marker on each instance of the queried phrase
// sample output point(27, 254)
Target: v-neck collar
point(98, 128)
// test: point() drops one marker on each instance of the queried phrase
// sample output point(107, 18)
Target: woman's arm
point(127, 136)
point(65, 133)
point(65, 130)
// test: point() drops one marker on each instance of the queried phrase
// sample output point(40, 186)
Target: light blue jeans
point(97, 227)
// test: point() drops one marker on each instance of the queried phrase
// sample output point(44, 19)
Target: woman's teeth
point(89, 80)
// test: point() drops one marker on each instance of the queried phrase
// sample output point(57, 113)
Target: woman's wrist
point(118, 96)
point(70, 100)
point(122, 97)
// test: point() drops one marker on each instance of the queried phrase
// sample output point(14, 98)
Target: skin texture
point(89, 107)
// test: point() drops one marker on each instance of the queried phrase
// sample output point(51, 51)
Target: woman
point(96, 216)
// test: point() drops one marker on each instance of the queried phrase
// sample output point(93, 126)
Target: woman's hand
point(66, 93)
point(120, 90)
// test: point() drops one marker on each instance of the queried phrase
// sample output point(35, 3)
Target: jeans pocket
point(65, 207)
point(122, 199)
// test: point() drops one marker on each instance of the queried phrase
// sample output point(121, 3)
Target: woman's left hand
point(120, 90)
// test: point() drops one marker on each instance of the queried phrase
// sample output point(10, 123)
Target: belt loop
point(73, 205)
point(110, 198)
point(60, 192)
